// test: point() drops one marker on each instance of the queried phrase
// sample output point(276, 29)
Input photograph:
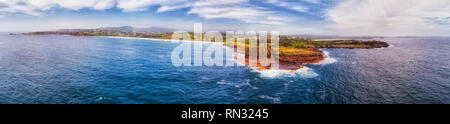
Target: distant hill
point(130, 28)
point(333, 37)
point(123, 28)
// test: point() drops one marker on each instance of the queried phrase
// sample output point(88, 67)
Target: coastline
point(294, 53)
point(236, 53)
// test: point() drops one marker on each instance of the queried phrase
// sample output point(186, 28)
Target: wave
point(222, 82)
point(328, 59)
point(237, 85)
point(275, 100)
point(304, 72)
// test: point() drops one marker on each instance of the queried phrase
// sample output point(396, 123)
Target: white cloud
point(37, 7)
point(166, 8)
point(291, 5)
point(209, 9)
point(142, 5)
point(390, 17)
point(347, 17)
point(313, 1)
point(235, 9)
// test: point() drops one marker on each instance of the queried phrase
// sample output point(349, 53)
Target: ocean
point(101, 70)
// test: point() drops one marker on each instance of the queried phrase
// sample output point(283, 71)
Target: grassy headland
point(293, 52)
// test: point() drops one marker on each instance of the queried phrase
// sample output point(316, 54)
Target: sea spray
point(304, 72)
point(328, 59)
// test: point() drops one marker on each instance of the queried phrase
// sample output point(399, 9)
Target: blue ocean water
point(84, 70)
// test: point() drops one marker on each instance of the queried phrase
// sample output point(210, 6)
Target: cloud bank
point(390, 17)
point(208, 9)
point(344, 17)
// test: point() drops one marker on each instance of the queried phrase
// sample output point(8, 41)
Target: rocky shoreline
point(294, 58)
point(294, 53)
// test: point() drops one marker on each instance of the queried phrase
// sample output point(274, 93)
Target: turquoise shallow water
point(66, 69)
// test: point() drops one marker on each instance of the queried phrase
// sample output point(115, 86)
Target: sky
point(310, 17)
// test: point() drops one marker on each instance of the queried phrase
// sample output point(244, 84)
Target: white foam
point(103, 98)
point(238, 85)
point(328, 59)
point(304, 72)
point(222, 82)
point(275, 100)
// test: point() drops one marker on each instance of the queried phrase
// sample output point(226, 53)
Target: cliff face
point(295, 56)
point(294, 60)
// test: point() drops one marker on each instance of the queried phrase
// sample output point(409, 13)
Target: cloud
point(390, 17)
point(295, 6)
point(209, 9)
point(347, 17)
point(38, 7)
point(235, 9)
point(313, 1)
point(142, 5)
